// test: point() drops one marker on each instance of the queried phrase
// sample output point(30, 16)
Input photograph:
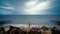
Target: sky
point(29, 7)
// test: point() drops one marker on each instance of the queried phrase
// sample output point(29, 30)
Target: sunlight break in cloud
point(35, 7)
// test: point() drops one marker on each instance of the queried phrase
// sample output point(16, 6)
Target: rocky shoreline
point(28, 30)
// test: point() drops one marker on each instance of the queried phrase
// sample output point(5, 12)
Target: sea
point(33, 20)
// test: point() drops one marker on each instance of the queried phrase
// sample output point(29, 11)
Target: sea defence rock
point(41, 30)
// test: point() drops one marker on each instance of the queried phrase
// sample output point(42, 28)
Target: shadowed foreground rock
point(17, 30)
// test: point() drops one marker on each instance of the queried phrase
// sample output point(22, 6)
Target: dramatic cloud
point(30, 7)
point(9, 8)
point(35, 7)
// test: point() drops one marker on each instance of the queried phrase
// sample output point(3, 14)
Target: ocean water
point(24, 20)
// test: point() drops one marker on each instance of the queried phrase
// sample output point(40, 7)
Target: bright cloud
point(31, 3)
point(9, 8)
point(30, 7)
point(35, 7)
